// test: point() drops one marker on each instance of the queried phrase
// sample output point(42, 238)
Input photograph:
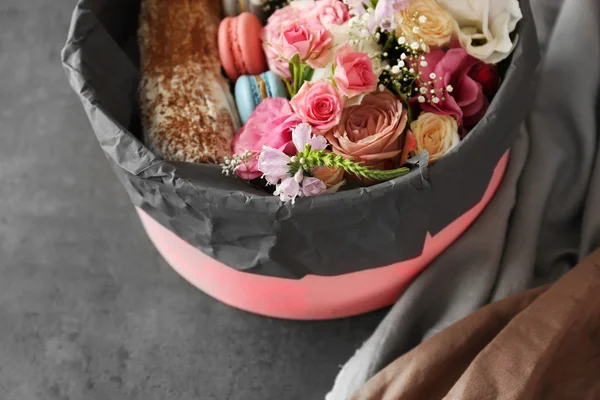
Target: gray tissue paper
point(252, 231)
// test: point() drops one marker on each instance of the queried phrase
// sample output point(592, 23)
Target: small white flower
point(424, 47)
point(432, 75)
point(402, 56)
point(424, 64)
point(423, 90)
point(412, 70)
point(422, 19)
point(381, 88)
point(401, 40)
point(449, 88)
point(421, 99)
point(395, 69)
point(435, 99)
point(401, 64)
point(414, 45)
point(416, 29)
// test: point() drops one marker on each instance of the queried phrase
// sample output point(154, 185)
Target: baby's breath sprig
point(231, 164)
point(429, 88)
point(402, 57)
point(309, 159)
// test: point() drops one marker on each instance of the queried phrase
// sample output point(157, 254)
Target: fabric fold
point(541, 344)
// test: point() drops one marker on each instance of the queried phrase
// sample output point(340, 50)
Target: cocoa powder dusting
point(187, 114)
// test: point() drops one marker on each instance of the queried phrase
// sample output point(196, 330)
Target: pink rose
point(354, 72)
point(461, 96)
point(270, 125)
point(331, 12)
point(311, 41)
point(295, 12)
point(319, 104)
point(302, 14)
point(371, 131)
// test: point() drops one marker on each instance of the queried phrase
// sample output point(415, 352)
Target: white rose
point(438, 134)
point(484, 26)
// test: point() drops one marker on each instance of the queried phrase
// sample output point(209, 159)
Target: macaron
point(251, 90)
point(240, 46)
point(233, 8)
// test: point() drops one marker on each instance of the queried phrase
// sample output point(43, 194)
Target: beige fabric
point(543, 344)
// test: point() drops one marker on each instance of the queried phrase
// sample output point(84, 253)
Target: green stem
point(299, 77)
point(309, 159)
point(408, 109)
point(289, 87)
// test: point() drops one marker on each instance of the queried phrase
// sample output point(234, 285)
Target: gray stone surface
point(88, 309)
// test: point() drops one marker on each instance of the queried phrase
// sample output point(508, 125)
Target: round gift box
point(312, 297)
point(325, 257)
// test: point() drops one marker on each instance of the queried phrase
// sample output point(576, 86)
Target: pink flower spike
point(356, 7)
point(273, 164)
point(385, 12)
point(269, 125)
point(313, 187)
point(302, 135)
point(288, 190)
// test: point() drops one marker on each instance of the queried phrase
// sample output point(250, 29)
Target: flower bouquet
point(387, 122)
point(373, 89)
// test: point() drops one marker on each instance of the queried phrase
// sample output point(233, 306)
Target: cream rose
point(484, 26)
point(432, 23)
point(438, 134)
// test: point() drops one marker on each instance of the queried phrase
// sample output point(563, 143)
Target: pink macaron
point(240, 46)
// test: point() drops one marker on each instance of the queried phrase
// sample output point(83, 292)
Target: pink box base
point(312, 297)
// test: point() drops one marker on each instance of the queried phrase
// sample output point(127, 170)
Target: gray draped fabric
point(544, 219)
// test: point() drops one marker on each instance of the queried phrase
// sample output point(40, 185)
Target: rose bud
point(487, 76)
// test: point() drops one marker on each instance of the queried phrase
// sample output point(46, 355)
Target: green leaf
point(295, 59)
point(289, 87)
point(308, 74)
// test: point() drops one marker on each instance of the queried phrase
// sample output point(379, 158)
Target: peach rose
point(438, 134)
point(433, 24)
point(329, 176)
point(370, 132)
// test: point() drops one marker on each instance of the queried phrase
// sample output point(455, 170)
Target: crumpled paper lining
point(250, 230)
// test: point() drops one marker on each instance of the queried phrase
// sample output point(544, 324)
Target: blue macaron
point(251, 90)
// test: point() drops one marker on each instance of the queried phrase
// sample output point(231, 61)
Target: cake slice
point(188, 112)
